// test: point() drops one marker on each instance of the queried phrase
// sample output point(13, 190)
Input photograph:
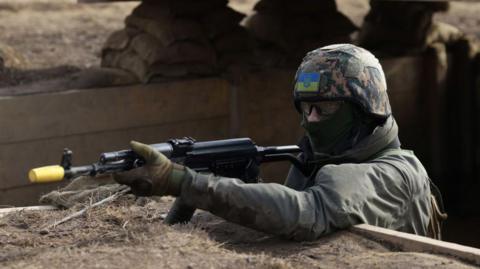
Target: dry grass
point(130, 234)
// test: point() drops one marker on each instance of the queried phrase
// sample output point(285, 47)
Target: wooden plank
point(5, 211)
point(266, 110)
point(265, 90)
point(416, 243)
point(26, 195)
point(273, 127)
point(266, 114)
point(403, 77)
point(85, 111)
point(402, 71)
point(17, 159)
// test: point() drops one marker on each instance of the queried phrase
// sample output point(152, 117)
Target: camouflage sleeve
point(341, 196)
point(268, 207)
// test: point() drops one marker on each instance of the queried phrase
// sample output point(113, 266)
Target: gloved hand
point(159, 176)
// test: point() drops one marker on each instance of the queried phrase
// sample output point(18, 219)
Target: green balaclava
point(325, 135)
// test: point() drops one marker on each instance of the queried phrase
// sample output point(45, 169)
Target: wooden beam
point(74, 112)
point(5, 211)
point(416, 243)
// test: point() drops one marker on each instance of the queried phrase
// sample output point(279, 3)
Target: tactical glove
point(159, 176)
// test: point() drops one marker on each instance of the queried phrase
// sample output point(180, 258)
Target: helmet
point(343, 72)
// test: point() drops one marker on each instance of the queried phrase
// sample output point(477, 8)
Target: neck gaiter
point(326, 134)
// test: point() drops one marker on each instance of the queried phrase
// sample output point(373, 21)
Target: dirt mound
point(130, 233)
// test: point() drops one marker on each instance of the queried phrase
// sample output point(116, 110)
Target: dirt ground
point(48, 39)
point(43, 39)
point(130, 234)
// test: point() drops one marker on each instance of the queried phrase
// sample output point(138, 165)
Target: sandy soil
point(130, 234)
point(465, 16)
point(47, 34)
point(43, 39)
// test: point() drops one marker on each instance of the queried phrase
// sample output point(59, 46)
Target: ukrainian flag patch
point(307, 82)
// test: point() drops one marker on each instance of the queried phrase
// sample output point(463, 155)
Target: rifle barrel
point(279, 150)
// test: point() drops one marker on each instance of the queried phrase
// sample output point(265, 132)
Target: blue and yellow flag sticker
point(307, 82)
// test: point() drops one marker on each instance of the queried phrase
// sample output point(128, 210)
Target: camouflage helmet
point(343, 72)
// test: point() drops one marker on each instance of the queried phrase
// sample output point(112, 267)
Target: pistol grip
point(179, 213)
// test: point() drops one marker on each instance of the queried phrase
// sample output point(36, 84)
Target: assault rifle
point(237, 158)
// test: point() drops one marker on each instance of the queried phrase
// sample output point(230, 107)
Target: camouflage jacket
point(389, 188)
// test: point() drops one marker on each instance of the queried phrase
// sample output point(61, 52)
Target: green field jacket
point(387, 188)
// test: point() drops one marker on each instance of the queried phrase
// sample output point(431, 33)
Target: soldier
point(360, 174)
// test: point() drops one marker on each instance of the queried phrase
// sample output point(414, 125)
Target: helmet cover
point(343, 72)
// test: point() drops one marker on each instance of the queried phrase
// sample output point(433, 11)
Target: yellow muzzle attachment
point(46, 174)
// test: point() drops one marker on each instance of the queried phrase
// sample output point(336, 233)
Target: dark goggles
point(325, 108)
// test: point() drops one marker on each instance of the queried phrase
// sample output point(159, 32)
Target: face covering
point(326, 134)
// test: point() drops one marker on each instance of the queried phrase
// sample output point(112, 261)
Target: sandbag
point(331, 24)
point(220, 21)
point(97, 77)
point(238, 40)
point(299, 7)
point(176, 38)
point(179, 70)
point(399, 27)
point(167, 29)
point(127, 60)
point(288, 32)
point(236, 58)
point(309, 44)
point(266, 27)
point(443, 33)
point(154, 10)
point(151, 52)
point(118, 40)
point(189, 8)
